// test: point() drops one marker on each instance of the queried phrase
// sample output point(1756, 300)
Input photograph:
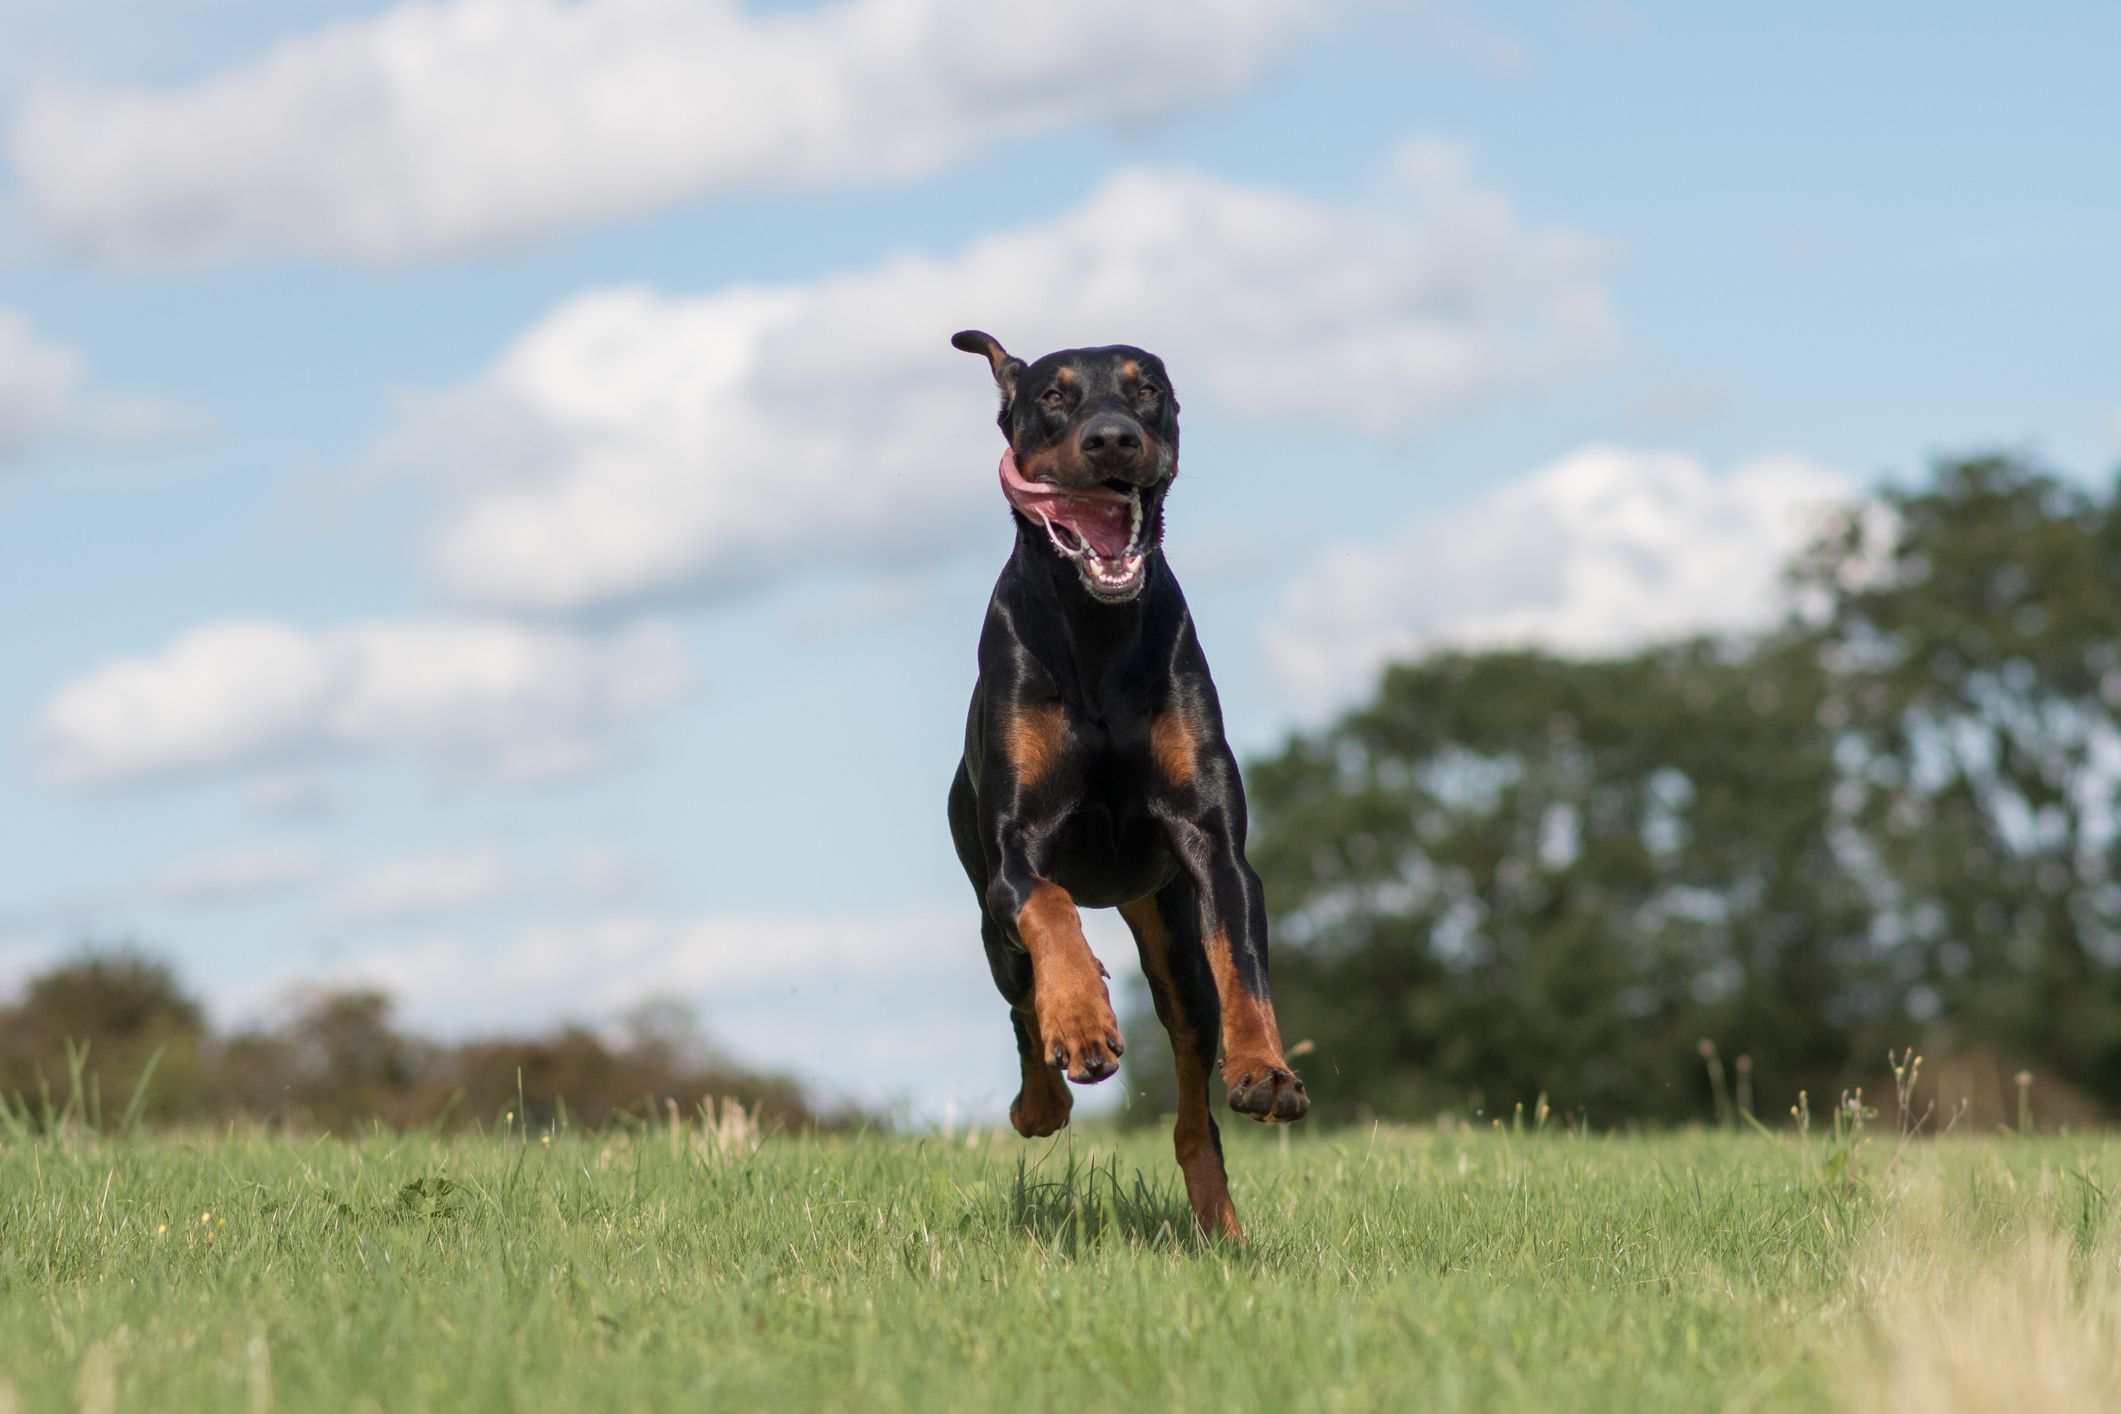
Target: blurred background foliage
point(1890, 821)
point(337, 1062)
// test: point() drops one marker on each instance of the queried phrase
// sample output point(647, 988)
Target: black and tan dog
point(1096, 772)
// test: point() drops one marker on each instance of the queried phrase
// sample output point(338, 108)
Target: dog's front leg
point(1205, 822)
point(1077, 1032)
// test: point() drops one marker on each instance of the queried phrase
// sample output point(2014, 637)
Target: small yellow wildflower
point(206, 1217)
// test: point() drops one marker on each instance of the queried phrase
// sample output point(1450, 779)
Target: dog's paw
point(1041, 1106)
point(1081, 1035)
point(1266, 1090)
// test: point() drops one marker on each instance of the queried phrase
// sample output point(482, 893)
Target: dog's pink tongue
point(1104, 519)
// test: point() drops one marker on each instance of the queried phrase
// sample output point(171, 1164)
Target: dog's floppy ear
point(1005, 365)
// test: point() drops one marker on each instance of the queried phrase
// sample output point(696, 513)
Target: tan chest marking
point(1175, 747)
point(1035, 736)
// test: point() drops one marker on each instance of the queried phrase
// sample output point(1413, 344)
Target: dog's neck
point(1097, 631)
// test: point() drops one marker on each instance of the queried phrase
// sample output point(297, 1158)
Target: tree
point(1515, 874)
point(128, 1011)
point(1976, 658)
point(341, 1064)
point(1889, 820)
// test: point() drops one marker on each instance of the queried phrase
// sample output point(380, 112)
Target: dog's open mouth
point(1100, 528)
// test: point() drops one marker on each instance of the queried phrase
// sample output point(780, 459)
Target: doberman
point(1096, 772)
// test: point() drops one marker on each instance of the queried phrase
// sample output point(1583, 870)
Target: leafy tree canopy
point(1889, 820)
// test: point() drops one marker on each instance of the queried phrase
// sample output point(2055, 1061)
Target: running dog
point(1096, 773)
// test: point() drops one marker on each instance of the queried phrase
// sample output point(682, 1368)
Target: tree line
point(111, 1036)
point(1890, 820)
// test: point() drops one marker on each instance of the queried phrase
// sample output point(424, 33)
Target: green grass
point(1387, 1270)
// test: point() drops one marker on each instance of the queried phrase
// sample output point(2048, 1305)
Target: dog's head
point(1093, 446)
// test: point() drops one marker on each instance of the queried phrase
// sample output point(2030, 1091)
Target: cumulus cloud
point(39, 382)
point(432, 129)
point(419, 884)
point(1603, 550)
point(470, 696)
point(633, 444)
point(21, 959)
point(393, 891)
point(233, 875)
point(43, 395)
point(291, 792)
point(600, 873)
point(600, 965)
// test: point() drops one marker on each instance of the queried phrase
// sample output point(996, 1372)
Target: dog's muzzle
point(1098, 528)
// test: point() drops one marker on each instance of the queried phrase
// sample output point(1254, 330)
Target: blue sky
point(490, 508)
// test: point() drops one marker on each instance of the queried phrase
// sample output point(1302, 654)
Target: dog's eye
point(1147, 392)
point(1051, 397)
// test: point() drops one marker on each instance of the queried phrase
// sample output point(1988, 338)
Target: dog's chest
point(1110, 848)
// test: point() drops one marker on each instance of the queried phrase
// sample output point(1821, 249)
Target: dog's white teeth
point(1053, 534)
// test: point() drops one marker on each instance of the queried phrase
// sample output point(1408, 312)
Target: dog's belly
point(1105, 857)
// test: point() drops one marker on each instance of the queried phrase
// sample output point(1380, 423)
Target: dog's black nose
point(1111, 442)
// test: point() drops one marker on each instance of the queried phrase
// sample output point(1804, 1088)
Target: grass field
point(682, 1268)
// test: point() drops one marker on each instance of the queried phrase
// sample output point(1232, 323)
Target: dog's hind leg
point(1167, 933)
point(1042, 1102)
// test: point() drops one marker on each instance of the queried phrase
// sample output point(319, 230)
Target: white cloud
point(42, 397)
point(632, 444)
point(20, 960)
point(140, 420)
point(471, 696)
point(38, 385)
point(419, 884)
point(431, 129)
point(232, 875)
point(458, 880)
point(599, 966)
point(289, 792)
point(1603, 550)
point(601, 873)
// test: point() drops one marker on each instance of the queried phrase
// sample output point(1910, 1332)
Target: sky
point(488, 507)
